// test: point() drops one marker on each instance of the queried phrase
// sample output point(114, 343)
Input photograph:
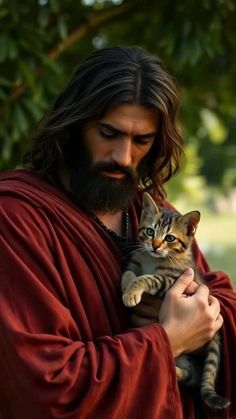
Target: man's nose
point(121, 152)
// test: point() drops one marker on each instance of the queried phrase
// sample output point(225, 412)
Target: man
point(69, 348)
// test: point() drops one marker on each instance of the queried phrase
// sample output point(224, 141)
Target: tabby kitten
point(164, 253)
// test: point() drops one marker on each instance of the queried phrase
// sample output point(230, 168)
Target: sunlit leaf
point(215, 129)
point(62, 27)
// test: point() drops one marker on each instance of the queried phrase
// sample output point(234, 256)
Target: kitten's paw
point(131, 299)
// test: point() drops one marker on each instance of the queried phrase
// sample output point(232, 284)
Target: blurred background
point(42, 42)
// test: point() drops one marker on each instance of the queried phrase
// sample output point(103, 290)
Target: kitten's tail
point(214, 401)
point(210, 371)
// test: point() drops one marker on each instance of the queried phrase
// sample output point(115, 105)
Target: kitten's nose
point(156, 243)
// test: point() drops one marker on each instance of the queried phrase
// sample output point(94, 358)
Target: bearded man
point(69, 348)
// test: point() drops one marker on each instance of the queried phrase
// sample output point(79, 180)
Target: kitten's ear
point(149, 204)
point(191, 220)
point(149, 209)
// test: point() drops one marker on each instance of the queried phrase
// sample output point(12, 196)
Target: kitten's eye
point(149, 232)
point(169, 238)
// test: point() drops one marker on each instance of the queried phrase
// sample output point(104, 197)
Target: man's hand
point(147, 311)
point(189, 315)
point(190, 321)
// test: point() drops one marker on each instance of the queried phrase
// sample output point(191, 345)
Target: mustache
point(114, 167)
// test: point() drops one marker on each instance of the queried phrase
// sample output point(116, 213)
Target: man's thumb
point(183, 282)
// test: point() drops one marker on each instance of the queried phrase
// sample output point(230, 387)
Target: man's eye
point(144, 140)
point(169, 238)
point(108, 133)
point(149, 232)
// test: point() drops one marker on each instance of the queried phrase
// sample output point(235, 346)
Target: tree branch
point(93, 20)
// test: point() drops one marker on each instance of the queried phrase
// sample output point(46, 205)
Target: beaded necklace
point(118, 238)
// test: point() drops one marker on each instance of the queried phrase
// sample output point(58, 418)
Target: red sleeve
point(221, 287)
point(47, 369)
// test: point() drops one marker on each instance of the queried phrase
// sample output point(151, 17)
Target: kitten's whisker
point(138, 245)
point(130, 253)
point(132, 245)
point(174, 261)
point(141, 250)
point(171, 261)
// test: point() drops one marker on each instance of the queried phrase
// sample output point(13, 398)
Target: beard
point(95, 191)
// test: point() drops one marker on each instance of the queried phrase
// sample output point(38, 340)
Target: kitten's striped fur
point(165, 239)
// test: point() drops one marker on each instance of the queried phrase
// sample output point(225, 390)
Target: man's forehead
point(131, 118)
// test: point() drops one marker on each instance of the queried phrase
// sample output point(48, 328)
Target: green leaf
point(12, 49)
point(3, 95)
point(62, 27)
point(20, 121)
point(54, 4)
point(52, 64)
point(33, 109)
point(187, 28)
point(3, 48)
point(3, 12)
point(7, 147)
point(214, 126)
point(27, 73)
point(44, 18)
point(196, 51)
point(6, 83)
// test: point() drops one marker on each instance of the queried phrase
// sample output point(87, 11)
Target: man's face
point(106, 177)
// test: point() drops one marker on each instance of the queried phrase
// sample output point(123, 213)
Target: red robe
point(66, 347)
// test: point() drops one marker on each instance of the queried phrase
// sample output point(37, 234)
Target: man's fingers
point(214, 301)
point(220, 321)
point(202, 291)
point(183, 282)
point(191, 289)
point(215, 305)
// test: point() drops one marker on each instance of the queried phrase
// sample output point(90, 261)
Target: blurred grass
point(216, 236)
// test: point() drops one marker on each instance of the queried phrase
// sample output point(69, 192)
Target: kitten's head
point(164, 232)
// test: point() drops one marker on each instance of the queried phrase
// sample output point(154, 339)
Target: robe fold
point(67, 350)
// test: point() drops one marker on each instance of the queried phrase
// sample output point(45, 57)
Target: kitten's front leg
point(126, 280)
point(136, 286)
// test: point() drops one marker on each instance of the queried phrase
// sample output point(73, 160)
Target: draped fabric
point(66, 347)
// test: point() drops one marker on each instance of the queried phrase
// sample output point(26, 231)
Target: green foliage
point(190, 186)
point(218, 243)
point(41, 43)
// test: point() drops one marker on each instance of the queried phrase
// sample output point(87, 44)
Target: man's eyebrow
point(110, 126)
point(119, 131)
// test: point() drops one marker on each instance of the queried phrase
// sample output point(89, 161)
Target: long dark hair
point(109, 76)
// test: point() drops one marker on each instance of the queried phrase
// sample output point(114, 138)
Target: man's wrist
point(176, 349)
